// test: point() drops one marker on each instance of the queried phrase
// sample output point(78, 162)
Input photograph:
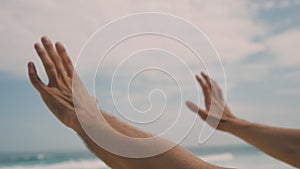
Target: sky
point(256, 41)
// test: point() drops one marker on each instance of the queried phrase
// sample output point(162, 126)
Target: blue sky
point(257, 42)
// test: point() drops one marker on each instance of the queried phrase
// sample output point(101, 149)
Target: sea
point(227, 156)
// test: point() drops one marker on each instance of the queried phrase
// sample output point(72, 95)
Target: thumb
point(194, 108)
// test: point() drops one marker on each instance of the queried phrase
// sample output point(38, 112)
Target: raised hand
point(67, 98)
point(216, 107)
point(58, 93)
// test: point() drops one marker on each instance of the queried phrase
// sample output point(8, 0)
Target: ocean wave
point(217, 157)
point(97, 164)
point(83, 164)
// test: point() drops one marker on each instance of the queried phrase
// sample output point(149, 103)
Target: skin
point(58, 97)
point(280, 143)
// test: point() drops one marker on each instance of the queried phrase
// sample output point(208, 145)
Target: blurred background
point(256, 40)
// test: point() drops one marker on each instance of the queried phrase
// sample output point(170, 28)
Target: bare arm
point(281, 143)
point(58, 96)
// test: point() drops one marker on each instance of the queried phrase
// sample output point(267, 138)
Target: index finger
point(207, 79)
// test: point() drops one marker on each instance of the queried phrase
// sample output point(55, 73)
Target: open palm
point(217, 113)
point(58, 94)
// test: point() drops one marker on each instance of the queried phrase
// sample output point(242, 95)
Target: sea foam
point(83, 164)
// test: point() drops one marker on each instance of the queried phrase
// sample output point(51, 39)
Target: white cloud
point(290, 92)
point(269, 4)
point(246, 73)
point(284, 4)
point(228, 24)
point(285, 47)
point(272, 4)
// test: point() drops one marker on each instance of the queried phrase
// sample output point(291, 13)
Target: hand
point(58, 93)
point(216, 107)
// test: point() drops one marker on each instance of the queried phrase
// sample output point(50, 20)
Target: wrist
point(78, 128)
point(235, 125)
point(88, 119)
point(91, 121)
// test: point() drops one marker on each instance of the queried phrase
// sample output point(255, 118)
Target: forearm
point(177, 157)
point(67, 98)
point(283, 144)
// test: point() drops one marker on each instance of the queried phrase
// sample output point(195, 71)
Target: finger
point(206, 92)
point(53, 55)
point(34, 78)
point(194, 108)
point(203, 85)
point(214, 90)
point(65, 58)
point(217, 89)
point(48, 64)
point(207, 79)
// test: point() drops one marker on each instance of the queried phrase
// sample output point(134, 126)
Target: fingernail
point(29, 64)
point(45, 39)
point(59, 44)
point(30, 67)
point(37, 46)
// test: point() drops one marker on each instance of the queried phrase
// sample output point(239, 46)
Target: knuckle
point(65, 75)
point(63, 51)
point(33, 77)
point(42, 53)
point(34, 80)
point(31, 73)
point(47, 44)
point(69, 61)
point(51, 66)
